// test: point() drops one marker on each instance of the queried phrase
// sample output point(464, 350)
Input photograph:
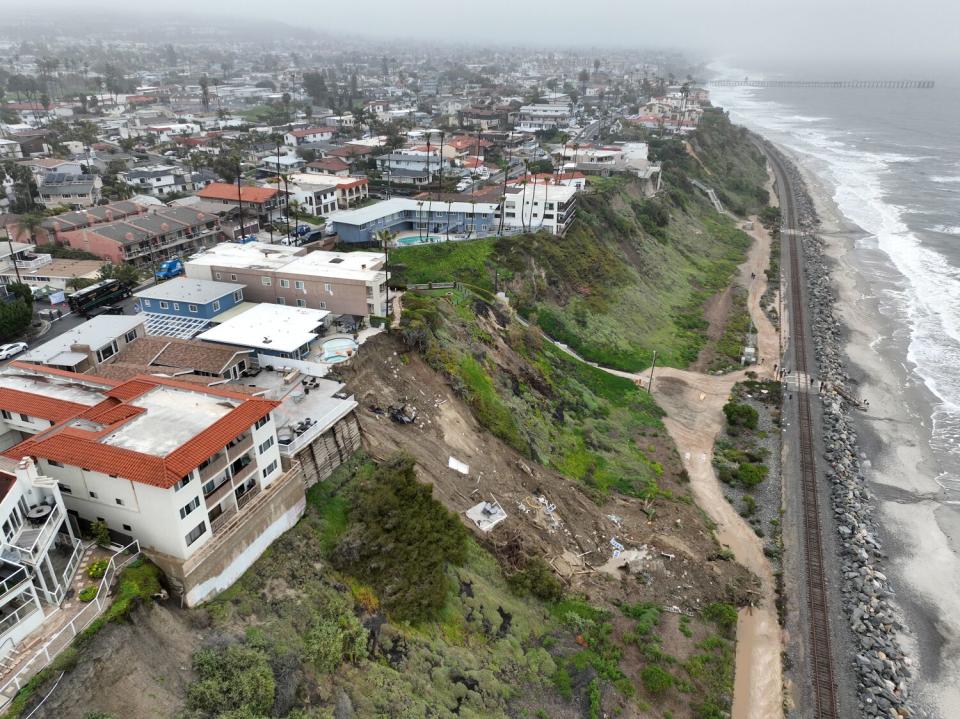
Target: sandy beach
point(919, 529)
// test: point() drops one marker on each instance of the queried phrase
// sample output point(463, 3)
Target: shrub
point(741, 415)
point(97, 569)
point(100, 532)
point(656, 680)
point(723, 615)
point(237, 678)
point(750, 475)
point(401, 541)
point(538, 580)
point(87, 594)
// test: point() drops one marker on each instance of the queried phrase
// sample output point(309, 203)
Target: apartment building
point(533, 118)
point(39, 550)
point(194, 473)
point(343, 283)
point(146, 239)
point(540, 207)
point(400, 215)
point(348, 191)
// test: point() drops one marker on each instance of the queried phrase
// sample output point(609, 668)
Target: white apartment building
point(536, 207)
point(157, 180)
point(193, 472)
point(39, 550)
point(313, 195)
point(533, 118)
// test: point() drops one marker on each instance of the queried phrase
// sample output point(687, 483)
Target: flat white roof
point(185, 289)
point(278, 328)
point(94, 333)
point(63, 388)
point(251, 256)
point(172, 417)
point(339, 265)
point(370, 213)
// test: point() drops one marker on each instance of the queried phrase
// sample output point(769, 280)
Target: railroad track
point(820, 651)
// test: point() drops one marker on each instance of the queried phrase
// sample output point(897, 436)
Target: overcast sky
point(878, 35)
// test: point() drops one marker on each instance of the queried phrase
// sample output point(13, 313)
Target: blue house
point(182, 307)
point(434, 218)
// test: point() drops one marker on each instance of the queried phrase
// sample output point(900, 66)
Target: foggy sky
point(874, 37)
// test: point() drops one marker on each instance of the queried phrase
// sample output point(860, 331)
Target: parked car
point(12, 350)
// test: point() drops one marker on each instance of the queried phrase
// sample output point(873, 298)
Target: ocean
point(891, 160)
point(888, 162)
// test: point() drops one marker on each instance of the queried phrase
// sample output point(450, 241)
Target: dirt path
point(694, 406)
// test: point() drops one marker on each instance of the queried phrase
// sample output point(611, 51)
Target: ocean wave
point(929, 300)
point(946, 229)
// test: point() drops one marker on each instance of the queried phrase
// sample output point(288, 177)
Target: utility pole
point(240, 202)
point(386, 283)
point(653, 363)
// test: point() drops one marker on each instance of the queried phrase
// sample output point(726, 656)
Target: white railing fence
point(62, 639)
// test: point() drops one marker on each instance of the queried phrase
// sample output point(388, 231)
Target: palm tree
point(523, 197)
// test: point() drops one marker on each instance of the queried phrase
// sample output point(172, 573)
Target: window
point(328, 288)
point(238, 296)
point(281, 301)
point(93, 494)
point(24, 417)
point(192, 308)
point(266, 281)
point(130, 336)
point(164, 305)
point(285, 283)
point(233, 278)
point(216, 305)
point(184, 481)
point(146, 303)
point(106, 352)
point(262, 421)
point(6, 414)
point(298, 284)
point(323, 305)
point(176, 306)
point(128, 527)
point(118, 501)
point(265, 445)
point(269, 469)
point(189, 507)
point(301, 303)
point(64, 489)
point(194, 534)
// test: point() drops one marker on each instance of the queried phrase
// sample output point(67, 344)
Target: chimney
point(27, 471)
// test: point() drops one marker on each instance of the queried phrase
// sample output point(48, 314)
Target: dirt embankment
point(674, 559)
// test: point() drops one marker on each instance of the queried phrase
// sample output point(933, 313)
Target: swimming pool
point(419, 240)
point(338, 349)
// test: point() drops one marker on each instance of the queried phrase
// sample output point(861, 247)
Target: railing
point(38, 261)
point(19, 614)
point(61, 640)
point(13, 582)
point(214, 468)
point(218, 493)
point(67, 575)
point(222, 519)
point(39, 543)
point(244, 498)
point(240, 448)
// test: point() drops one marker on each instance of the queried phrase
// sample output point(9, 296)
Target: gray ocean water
point(891, 160)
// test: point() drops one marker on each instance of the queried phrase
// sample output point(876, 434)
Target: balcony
point(14, 580)
point(244, 498)
point(217, 465)
point(31, 542)
point(218, 493)
point(240, 446)
point(33, 262)
point(222, 520)
point(244, 472)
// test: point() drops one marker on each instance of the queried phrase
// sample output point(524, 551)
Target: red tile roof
point(226, 191)
point(82, 447)
point(314, 131)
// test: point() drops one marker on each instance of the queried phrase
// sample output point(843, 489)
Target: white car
point(12, 350)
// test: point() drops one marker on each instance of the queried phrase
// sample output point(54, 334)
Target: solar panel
point(173, 326)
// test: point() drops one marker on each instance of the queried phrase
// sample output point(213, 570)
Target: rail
point(62, 638)
point(820, 650)
point(833, 84)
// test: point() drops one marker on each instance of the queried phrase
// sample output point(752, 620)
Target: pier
point(835, 84)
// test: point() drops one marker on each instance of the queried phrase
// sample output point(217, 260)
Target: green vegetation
point(629, 277)
point(538, 399)
point(15, 318)
point(735, 331)
point(400, 541)
point(740, 415)
point(231, 680)
point(87, 594)
point(100, 532)
point(97, 569)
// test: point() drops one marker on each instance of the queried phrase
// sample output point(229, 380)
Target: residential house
point(328, 166)
point(10, 149)
point(74, 191)
point(350, 190)
point(157, 180)
point(537, 207)
point(266, 203)
point(543, 116)
point(189, 360)
point(183, 306)
point(284, 165)
point(273, 331)
point(89, 344)
point(295, 138)
point(315, 196)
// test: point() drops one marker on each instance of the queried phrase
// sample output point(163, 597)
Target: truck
point(169, 269)
point(107, 292)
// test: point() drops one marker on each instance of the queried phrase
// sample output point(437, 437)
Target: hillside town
point(210, 291)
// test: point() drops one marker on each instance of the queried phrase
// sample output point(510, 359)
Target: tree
point(126, 274)
point(15, 317)
point(401, 541)
point(205, 92)
point(24, 187)
point(22, 292)
point(596, 66)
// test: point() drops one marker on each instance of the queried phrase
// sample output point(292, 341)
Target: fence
point(62, 638)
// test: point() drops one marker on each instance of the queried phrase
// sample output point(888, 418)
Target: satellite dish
point(128, 236)
point(164, 226)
